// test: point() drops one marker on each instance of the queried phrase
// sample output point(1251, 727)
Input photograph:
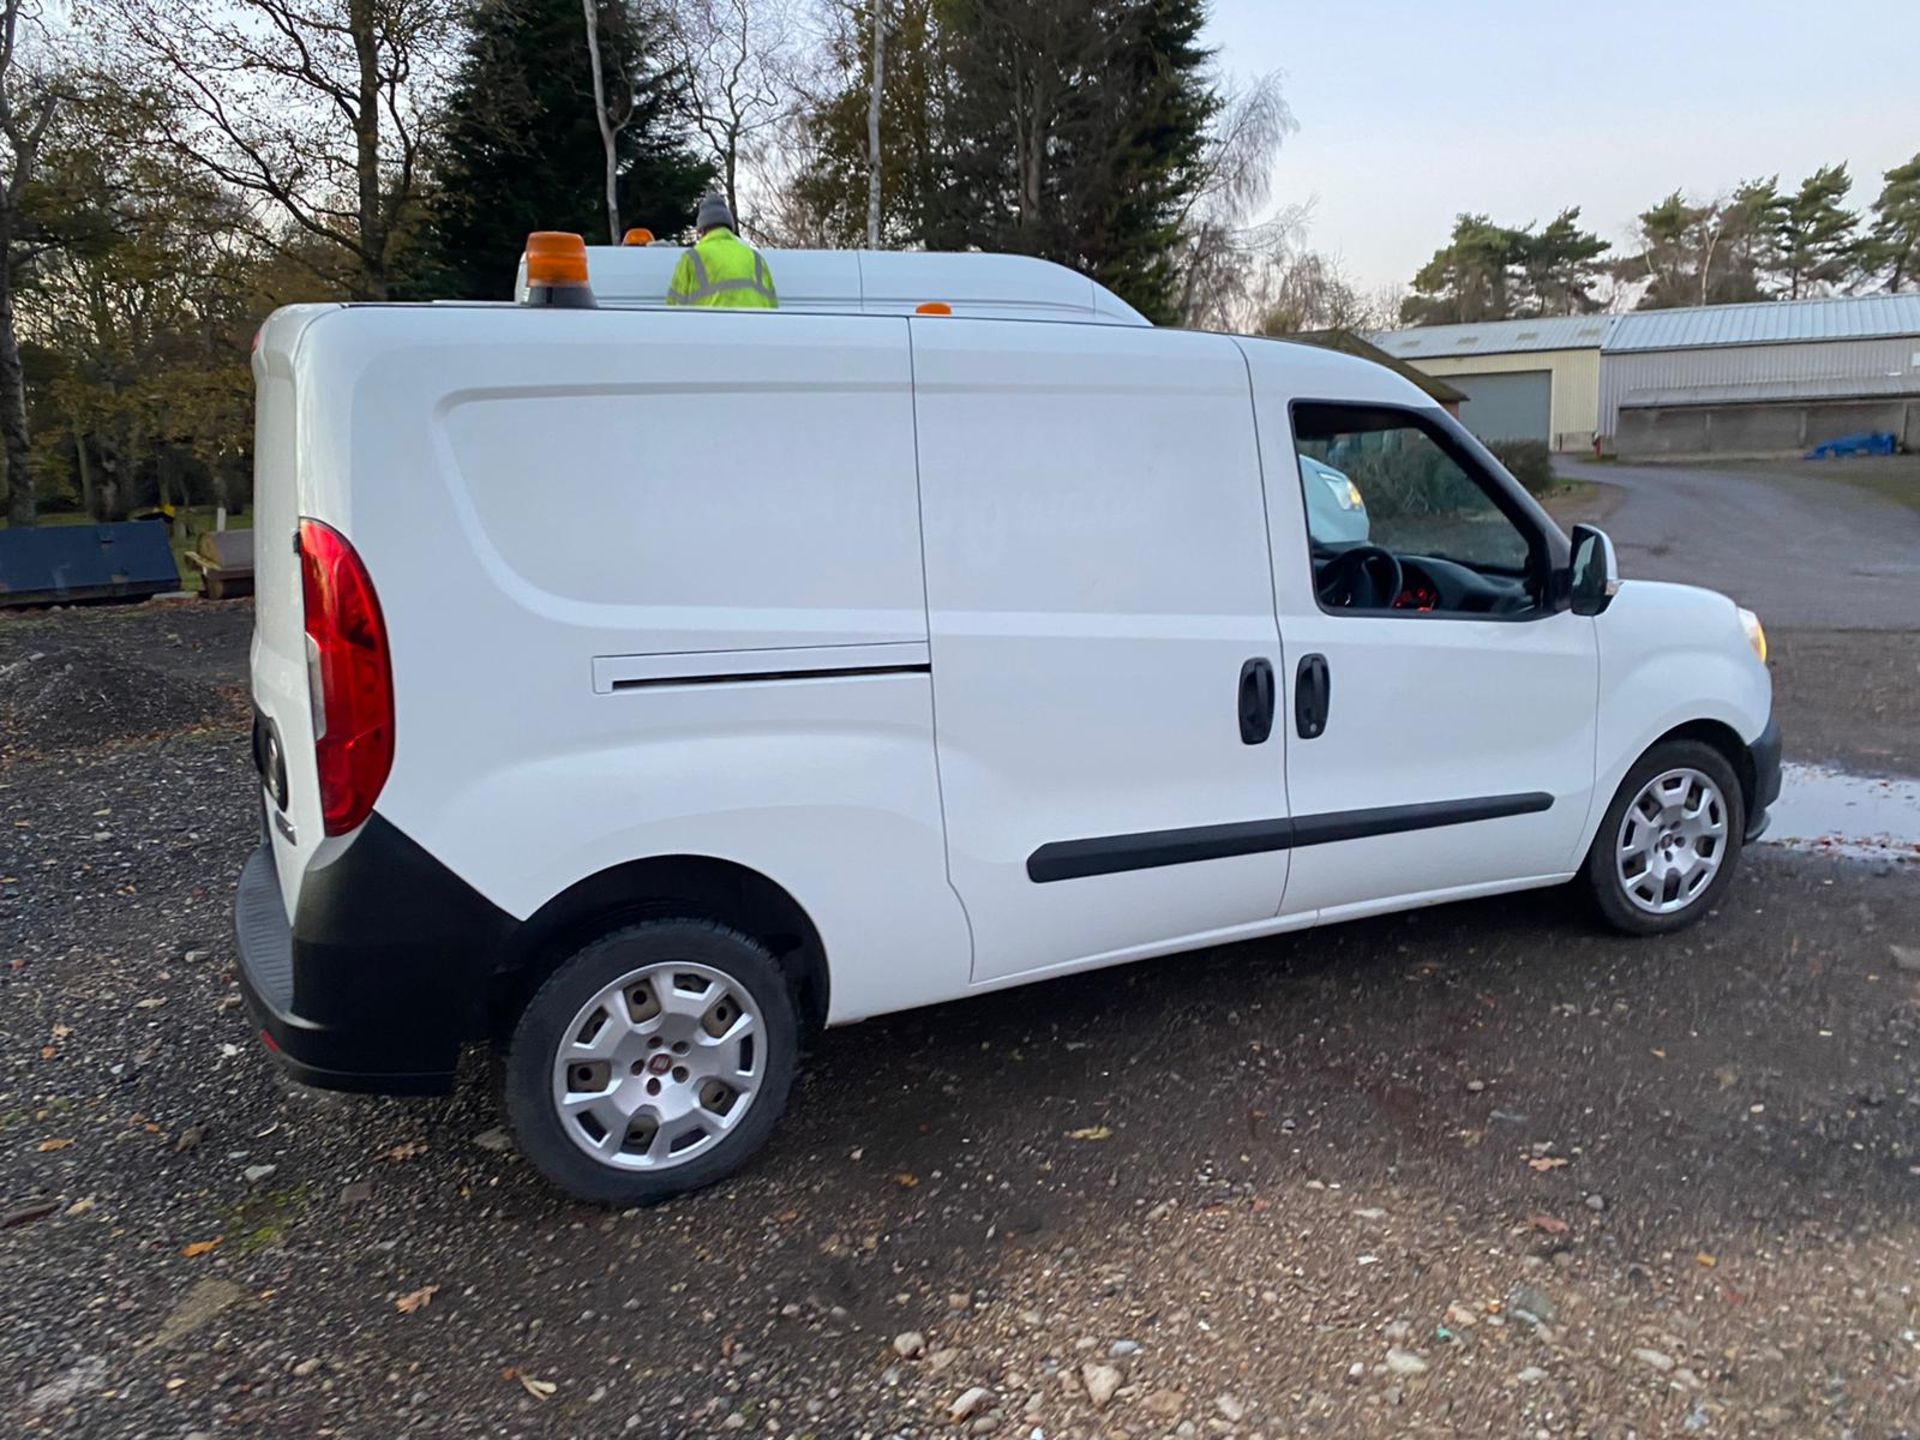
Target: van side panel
point(1099, 590)
point(545, 500)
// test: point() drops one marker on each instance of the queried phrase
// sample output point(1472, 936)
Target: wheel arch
point(690, 886)
point(1726, 740)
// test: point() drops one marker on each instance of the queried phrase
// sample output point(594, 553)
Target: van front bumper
point(383, 974)
point(1765, 755)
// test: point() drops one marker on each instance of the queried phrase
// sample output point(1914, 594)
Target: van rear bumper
point(382, 976)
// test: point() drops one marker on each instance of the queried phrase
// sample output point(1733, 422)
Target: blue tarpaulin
point(55, 564)
point(1875, 442)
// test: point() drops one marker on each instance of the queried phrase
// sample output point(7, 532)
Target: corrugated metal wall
point(1838, 369)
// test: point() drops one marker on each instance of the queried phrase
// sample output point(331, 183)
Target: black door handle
point(1256, 701)
point(1312, 696)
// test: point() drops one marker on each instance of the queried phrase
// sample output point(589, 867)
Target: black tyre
point(653, 1062)
point(1669, 842)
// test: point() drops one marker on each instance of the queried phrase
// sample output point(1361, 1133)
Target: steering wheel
point(1363, 578)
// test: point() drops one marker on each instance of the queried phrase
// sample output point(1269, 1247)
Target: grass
point(263, 1220)
point(193, 522)
point(1892, 477)
point(1897, 478)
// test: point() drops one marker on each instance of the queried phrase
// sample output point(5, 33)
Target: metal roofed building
point(1449, 397)
point(1533, 379)
point(1772, 378)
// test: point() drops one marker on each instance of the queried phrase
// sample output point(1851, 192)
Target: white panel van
point(640, 690)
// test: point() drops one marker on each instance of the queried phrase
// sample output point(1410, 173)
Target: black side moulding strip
point(1151, 849)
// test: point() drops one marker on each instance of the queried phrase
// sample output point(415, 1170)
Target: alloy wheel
point(1672, 841)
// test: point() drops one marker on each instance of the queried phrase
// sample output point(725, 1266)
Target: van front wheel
point(652, 1062)
point(1669, 841)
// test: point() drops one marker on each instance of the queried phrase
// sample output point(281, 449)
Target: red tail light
point(349, 677)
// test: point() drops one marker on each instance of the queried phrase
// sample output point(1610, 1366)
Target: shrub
point(1529, 460)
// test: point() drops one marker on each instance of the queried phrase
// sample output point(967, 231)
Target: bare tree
point(738, 59)
point(1258, 275)
point(1222, 247)
point(609, 127)
point(1297, 289)
point(876, 91)
point(31, 92)
point(315, 109)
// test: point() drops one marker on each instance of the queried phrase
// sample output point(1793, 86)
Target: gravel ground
point(78, 679)
point(1872, 677)
point(1479, 1170)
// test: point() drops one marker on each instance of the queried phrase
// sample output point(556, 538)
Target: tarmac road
point(1801, 550)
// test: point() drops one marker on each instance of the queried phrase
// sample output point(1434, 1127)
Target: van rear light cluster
point(349, 676)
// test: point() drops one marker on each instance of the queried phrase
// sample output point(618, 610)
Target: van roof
point(874, 282)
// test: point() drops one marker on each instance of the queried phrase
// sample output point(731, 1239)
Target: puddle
point(1835, 813)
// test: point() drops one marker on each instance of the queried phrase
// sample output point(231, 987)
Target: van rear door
point(1100, 610)
point(283, 712)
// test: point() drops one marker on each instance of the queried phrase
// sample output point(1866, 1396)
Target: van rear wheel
point(652, 1062)
point(1669, 842)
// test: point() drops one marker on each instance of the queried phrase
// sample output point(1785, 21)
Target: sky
point(1412, 111)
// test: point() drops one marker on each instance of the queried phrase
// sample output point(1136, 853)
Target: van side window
point(1402, 519)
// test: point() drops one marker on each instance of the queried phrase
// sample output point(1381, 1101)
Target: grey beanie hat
point(714, 211)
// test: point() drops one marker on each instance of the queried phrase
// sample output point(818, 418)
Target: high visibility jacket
point(725, 272)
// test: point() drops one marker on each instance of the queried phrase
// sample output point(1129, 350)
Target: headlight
point(1354, 502)
point(1756, 634)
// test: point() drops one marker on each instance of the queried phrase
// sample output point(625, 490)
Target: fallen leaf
point(46, 1145)
point(415, 1299)
point(1548, 1224)
point(539, 1389)
point(906, 1180)
point(202, 1247)
point(1092, 1132)
point(152, 1002)
point(1544, 1163)
point(47, 1052)
point(176, 1383)
point(1706, 1260)
point(787, 1217)
point(61, 1032)
point(406, 1151)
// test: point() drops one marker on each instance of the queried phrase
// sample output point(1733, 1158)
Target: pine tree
point(1470, 278)
point(1075, 130)
point(1713, 254)
point(523, 151)
point(1893, 248)
point(1495, 272)
point(827, 200)
point(1560, 265)
point(1674, 240)
point(1753, 221)
point(1819, 244)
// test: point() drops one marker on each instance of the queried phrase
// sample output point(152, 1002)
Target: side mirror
point(1594, 578)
